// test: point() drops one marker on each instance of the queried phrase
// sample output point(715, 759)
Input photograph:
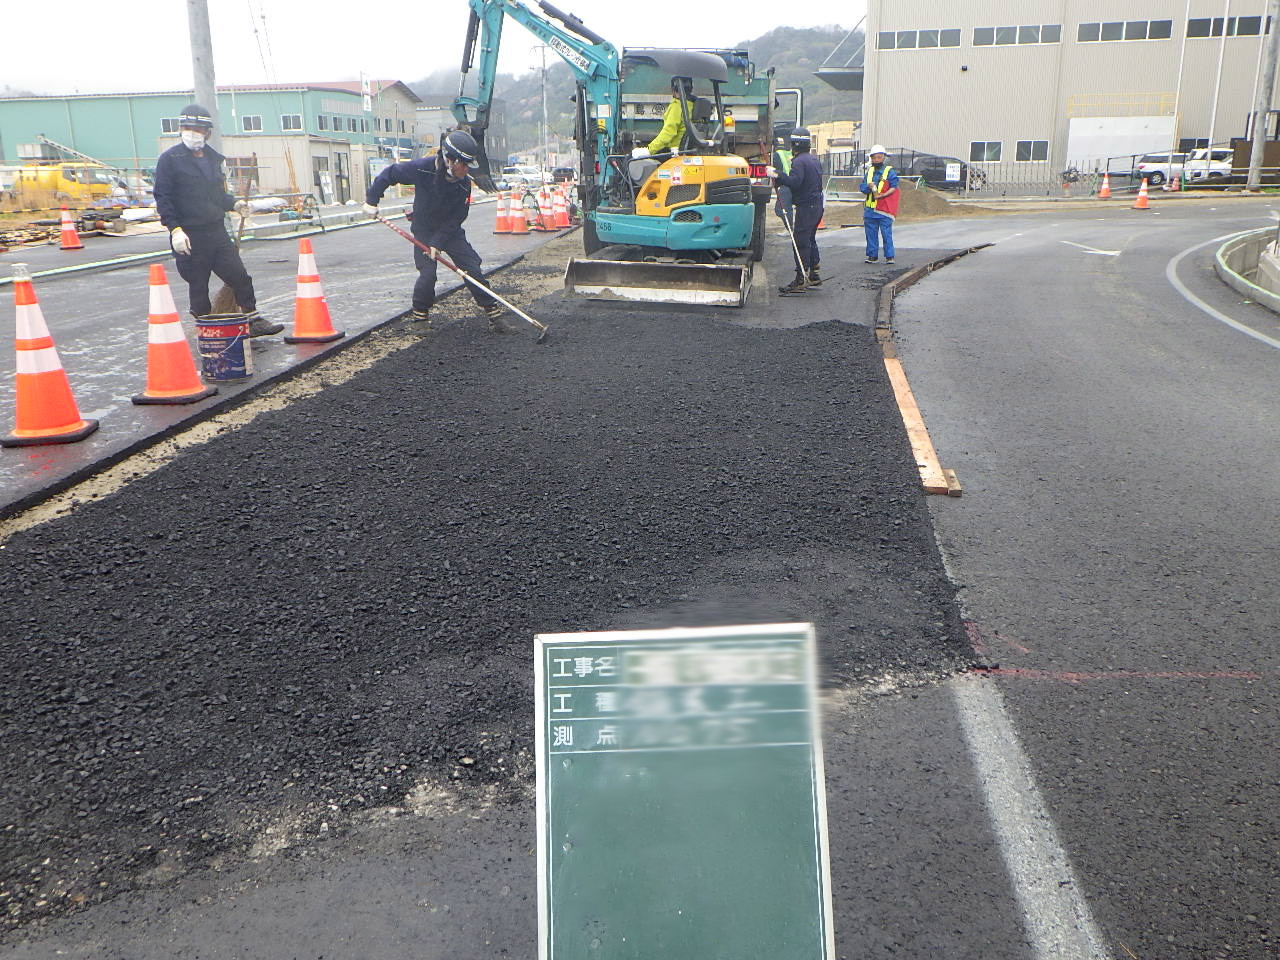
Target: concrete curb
point(1237, 281)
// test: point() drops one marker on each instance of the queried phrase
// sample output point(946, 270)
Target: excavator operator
point(672, 133)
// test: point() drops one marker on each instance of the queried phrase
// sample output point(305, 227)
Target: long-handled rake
point(543, 333)
point(786, 220)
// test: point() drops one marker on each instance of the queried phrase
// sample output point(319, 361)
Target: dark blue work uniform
point(191, 193)
point(805, 182)
point(439, 207)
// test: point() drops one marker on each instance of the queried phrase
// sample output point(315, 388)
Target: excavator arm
point(593, 60)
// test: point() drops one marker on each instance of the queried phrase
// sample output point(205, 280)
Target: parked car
point(1156, 168)
point(1209, 167)
point(522, 176)
point(563, 175)
point(932, 172)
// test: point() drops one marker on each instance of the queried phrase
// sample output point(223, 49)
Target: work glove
point(371, 209)
point(771, 172)
point(243, 207)
point(180, 242)
point(639, 153)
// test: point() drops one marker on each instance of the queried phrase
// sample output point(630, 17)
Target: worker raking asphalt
point(321, 610)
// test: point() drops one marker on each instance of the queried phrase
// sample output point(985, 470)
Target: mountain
point(794, 53)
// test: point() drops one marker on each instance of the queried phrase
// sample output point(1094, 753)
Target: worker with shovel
point(441, 189)
point(192, 200)
point(805, 183)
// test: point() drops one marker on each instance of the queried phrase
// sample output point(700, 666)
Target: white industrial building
point(1031, 88)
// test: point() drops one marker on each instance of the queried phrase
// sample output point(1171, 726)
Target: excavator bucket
point(482, 174)
point(717, 285)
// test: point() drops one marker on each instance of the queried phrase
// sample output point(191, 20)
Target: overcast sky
point(93, 46)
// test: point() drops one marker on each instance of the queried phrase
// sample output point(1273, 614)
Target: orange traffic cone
point(1105, 192)
point(546, 215)
point(1142, 203)
point(171, 372)
point(70, 239)
point(502, 222)
point(519, 216)
point(822, 221)
point(311, 323)
point(46, 410)
point(562, 209)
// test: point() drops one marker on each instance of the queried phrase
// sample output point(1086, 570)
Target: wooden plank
point(931, 474)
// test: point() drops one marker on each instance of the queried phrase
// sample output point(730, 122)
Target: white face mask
point(192, 140)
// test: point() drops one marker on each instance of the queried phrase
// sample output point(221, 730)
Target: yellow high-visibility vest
point(876, 190)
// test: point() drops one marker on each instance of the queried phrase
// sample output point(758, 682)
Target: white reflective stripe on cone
point(167, 332)
point(31, 325)
point(161, 300)
point(44, 360)
point(310, 290)
point(307, 265)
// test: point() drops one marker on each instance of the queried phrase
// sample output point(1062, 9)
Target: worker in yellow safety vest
point(880, 184)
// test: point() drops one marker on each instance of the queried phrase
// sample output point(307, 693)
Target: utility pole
point(545, 158)
point(1262, 96)
point(202, 64)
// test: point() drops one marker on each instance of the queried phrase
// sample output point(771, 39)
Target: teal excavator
point(675, 227)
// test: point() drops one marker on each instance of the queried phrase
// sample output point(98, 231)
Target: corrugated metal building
point(326, 138)
point(1012, 85)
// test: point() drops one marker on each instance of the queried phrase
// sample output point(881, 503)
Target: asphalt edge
point(217, 405)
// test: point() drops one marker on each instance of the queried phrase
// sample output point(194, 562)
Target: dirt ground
point(917, 204)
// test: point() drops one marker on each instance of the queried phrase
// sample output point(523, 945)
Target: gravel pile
point(337, 602)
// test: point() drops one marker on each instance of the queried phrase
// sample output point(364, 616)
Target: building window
point(290, 121)
point(387, 126)
point(322, 122)
point(1218, 27)
point(337, 123)
point(351, 124)
point(917, 39)
point(984, 151)
point(251, 124)
point(1187, 144)
point(170, 125)
point(1033, 151)
point(1025, 34)
point(364, 125)
point(1126, 30)
point(402, 126)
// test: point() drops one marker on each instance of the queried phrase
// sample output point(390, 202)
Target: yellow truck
point(44, 183)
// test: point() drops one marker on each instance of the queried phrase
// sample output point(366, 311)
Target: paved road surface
point(1117, 548)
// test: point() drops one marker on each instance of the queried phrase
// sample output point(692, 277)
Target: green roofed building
point(328, 139)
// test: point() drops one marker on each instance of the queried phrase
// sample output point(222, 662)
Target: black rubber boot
point(261, 327)
point(795, 286)
point(814, 279)
point(497, 320)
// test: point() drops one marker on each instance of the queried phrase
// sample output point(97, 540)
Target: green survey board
point(681, 803)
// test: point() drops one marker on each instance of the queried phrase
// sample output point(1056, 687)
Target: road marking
point(1105, 253)
point(1171, 273)
point(1076, 676)
point(1056, 918)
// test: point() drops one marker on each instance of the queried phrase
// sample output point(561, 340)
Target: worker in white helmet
point(880, 185)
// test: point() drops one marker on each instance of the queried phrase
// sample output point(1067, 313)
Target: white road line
point(1171, 273)
point(1087, 249)
point(1056, 918)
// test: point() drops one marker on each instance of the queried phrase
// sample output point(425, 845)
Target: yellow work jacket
point(672, 133)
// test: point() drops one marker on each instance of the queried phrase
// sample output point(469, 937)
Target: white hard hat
point(878, 148)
